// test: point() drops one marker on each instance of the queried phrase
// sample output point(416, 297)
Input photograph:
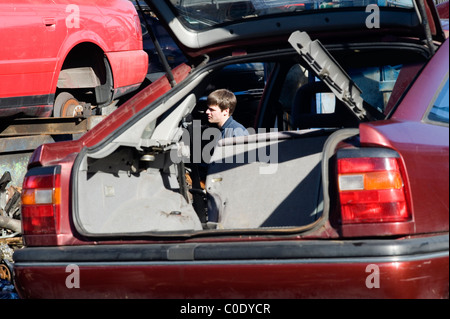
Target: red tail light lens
point(41, 198)
point(371, 188)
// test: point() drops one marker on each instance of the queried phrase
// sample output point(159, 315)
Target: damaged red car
point(67, 59)
point(341, 189)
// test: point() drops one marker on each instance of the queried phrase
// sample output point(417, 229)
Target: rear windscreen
point(205, 14)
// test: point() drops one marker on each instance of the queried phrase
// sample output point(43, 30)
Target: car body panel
point(420, 142)
point(252, 278)
point(40, 38)
point(286, 269)
point(121, 60)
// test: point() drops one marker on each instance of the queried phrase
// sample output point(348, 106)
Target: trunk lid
point(219, 27)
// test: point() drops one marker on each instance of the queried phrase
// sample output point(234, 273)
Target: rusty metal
point(23, 143)
point(20, 137)
point(43, 126)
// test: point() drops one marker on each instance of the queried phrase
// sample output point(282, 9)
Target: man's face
point(216, 115)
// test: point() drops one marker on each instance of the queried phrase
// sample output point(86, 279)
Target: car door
point(28, 60)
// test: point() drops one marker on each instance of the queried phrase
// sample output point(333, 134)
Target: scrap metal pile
point(10, 232)
point(9, 207)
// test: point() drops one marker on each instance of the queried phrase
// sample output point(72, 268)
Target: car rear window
point(205, 14)
point(439, 111)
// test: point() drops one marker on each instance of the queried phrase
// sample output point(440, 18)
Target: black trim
point(273, 250)
point(104, 93)
point(119, 92)
point(46, 170)
point(23, 101)
point(367, 152)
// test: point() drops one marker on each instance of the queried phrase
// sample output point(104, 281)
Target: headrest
point(304, 114)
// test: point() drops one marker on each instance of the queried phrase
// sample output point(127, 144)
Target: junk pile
point(9, 205)
point(10, 234)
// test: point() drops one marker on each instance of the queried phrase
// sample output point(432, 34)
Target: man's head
point(221, 104)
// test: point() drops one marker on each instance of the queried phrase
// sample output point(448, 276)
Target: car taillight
point(41, 199)
point(371, 187)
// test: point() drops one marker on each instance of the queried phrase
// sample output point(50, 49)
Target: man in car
point(221, 105)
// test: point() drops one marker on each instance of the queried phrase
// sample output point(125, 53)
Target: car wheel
point(66, 105)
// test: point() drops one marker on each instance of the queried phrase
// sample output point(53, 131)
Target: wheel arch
point(85, 67)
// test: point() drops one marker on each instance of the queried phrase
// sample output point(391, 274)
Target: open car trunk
point(261, 181)
point(204, 26)
point(153, 178)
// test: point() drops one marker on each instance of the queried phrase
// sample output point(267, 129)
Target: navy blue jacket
point(231, 128)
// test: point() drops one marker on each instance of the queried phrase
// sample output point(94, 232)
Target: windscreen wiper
point(330, 72)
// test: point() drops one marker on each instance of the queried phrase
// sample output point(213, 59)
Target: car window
point(246, 81)
point(376, 83)
point(440, 108)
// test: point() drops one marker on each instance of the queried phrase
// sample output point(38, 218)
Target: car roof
point(210, 27)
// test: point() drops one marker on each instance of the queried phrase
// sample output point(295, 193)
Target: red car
point(65, 58)
point(341, 189)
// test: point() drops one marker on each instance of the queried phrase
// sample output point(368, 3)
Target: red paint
point(41, 36)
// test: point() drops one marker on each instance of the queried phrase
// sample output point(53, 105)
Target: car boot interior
point(271, 179)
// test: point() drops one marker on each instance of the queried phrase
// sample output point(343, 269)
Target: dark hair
point(224, 98)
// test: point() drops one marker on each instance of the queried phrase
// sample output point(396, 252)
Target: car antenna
point(162, 57)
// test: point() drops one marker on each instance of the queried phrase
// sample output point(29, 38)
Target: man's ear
point(226, 112)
